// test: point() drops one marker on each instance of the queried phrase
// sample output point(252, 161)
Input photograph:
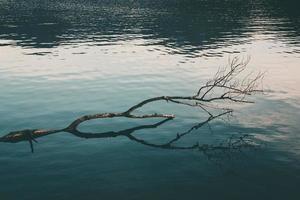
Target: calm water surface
point(65, 58)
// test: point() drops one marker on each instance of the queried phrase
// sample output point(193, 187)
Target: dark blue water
point(63, 59)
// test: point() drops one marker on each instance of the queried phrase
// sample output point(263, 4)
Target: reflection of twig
point(223, 87)
point(234, 147)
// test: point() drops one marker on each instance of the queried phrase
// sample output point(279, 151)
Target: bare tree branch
point(226, 85)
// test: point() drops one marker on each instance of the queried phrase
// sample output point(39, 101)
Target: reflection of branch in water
point(225, 86)
point(31, 135)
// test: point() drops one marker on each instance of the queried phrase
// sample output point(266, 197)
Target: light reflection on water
point(62, 59)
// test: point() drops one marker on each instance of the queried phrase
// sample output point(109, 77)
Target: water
point(62, 59)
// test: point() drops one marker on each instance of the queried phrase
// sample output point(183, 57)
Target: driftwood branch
point(226, 85)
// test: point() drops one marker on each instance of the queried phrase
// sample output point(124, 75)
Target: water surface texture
point(60, 59)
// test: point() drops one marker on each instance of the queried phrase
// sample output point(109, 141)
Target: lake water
point(60, 59)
